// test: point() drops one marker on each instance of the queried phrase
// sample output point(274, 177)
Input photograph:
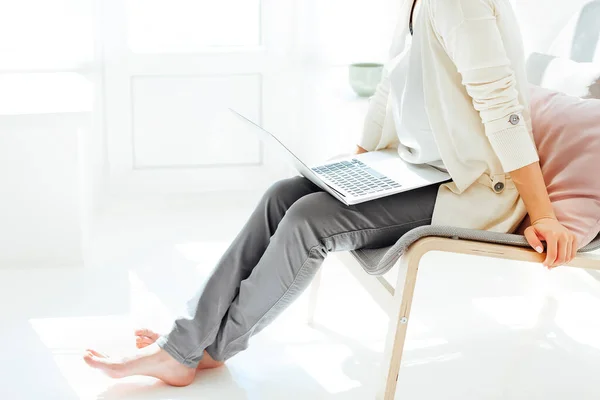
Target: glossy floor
point(481, 328)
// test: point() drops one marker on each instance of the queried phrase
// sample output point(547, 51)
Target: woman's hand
point(360, 150)
point(561, 245)
point(560, 242)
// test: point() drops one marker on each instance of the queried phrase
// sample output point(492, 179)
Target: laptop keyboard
point(356, 177)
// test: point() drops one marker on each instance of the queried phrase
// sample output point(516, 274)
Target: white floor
point(480, 329)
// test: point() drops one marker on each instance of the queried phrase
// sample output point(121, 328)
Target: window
point(188, 26)
point(46, 35)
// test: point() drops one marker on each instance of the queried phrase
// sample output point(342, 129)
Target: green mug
point(364, 78)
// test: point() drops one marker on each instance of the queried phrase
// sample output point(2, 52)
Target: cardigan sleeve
point(469, 32)
point(373, 125)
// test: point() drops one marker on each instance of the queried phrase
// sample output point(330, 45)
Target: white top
point(416, 141)
point(477, 100)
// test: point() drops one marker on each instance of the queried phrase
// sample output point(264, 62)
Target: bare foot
point(208, 362)
point(149, 361)
point(146, 337)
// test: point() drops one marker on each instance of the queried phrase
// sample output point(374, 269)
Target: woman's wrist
point(542, 211)
point(532, 188)
point(542, 218)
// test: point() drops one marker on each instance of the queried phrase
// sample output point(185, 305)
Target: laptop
point(358, 178)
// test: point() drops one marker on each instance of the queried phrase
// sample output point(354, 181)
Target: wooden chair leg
point(398, 325)
point(407, 277)
point(314, 296)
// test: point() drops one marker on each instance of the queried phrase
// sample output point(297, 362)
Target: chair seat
point(380, 261)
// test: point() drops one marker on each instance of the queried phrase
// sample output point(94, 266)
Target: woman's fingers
point(564, 250)
point(533, 239)
point(552, 250)
point(561, 244)
point(574, 247)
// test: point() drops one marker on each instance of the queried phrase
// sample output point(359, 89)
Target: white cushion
point(572, 64)
point(562, 75)
point(569, 77)
point(542, 20)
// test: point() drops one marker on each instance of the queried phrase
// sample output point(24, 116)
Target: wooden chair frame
point(398, 303)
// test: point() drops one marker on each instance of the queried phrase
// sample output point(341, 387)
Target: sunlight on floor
point(328, 372)
point(573, 316)
point(67, 338)
point(516, 312)
point(206, 252)
point(415, 344)
point(479, 326)
point(146, 306)
point(433, 359)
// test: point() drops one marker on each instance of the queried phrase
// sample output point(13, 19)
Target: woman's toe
point(142, 341)
point(92, 359)
point(147, 333)
point(96, 353)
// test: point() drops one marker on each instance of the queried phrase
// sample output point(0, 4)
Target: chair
point(369, 266)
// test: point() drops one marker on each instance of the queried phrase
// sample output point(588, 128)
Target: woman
point(454, 96)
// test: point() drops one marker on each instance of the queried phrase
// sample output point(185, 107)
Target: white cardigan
point(476, 93)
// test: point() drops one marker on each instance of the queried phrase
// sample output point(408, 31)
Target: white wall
point(51, 161)
point(40, 190)
point(52, 177)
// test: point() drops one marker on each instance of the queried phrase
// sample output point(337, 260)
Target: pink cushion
point(567, 134)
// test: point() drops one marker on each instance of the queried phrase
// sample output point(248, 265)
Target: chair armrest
point(399, 248)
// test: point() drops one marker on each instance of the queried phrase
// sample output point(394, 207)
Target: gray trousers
point(276, 255)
